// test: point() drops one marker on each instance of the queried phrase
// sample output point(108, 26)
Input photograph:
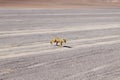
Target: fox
point(57, 41)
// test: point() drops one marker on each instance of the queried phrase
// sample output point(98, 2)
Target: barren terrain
point(92, 51)
point(58, 3)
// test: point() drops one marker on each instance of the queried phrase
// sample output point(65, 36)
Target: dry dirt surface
point(59, 3)
point(92, 51)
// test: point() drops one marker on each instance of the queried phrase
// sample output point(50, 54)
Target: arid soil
point(92, 51)
point(59, 3)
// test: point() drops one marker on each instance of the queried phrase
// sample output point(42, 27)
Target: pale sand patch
point(96, 38)
point(6, 71)
point(61, 49)
point(83, 73)
point(78, 28)
point(42, 45)
point(96, 69)
point(57, 14)
point(117, 78)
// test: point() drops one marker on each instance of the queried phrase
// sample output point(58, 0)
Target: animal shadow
point(67, 46)
point(64, 46)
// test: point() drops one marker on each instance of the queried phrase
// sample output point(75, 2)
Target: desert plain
point(92, 51)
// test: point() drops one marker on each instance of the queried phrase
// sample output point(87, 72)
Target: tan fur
point(58, 41)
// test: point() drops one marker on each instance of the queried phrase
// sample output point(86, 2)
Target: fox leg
point(60, 43)
point(56, 43)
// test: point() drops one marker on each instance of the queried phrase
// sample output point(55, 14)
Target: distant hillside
point(58, 3)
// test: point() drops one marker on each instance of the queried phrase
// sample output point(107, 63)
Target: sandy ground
point(58, 3)
point(92, 51)
point(31, 48)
